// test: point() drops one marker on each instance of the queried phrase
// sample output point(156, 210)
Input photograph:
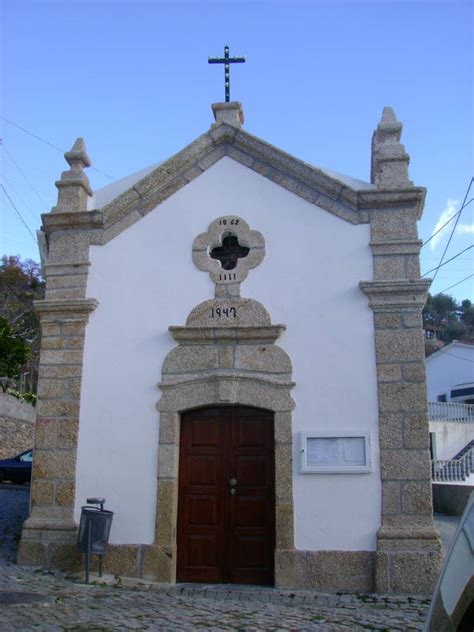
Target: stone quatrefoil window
point(228, 250)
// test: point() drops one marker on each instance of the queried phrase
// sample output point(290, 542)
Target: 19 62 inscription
point(223, 312)
point(233, 222)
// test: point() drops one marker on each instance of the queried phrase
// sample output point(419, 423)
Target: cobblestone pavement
point(14, 501)
point(66, 604)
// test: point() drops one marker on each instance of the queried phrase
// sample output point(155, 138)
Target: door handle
point(233, 482)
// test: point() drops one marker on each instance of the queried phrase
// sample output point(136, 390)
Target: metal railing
point(457, 470)
point(451, 411)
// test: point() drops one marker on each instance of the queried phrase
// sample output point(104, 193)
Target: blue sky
point(132, 78)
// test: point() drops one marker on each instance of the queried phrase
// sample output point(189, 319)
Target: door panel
point(226, 508)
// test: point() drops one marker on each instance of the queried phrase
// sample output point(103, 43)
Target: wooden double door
point(226, 506)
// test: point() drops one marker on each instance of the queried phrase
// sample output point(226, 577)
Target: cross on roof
point(226, 60)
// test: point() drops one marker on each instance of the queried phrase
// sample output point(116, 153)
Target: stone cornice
point(83, 220)
point(212, 335)
point(302, 179)
point(65, 307)
point(395, 246)
point(395, 294)
point(391, 199)
point(66, 267)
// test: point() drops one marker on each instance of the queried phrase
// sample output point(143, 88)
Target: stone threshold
point(259, 594)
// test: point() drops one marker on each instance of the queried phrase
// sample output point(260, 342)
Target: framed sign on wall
point(335, 453)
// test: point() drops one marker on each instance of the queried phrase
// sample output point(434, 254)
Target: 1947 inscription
point(223, 312)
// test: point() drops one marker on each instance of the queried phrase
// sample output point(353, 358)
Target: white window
point(335, 453)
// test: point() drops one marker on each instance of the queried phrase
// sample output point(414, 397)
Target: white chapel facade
point(232, 356)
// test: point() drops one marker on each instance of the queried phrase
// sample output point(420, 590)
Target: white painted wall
point(454, 364)
point(145, 281)
point(450, 437)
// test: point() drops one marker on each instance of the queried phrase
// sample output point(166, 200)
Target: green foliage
point(14, 350)
point(21, 283)
point(25, 397)
point(453, 321)
point(440, 309)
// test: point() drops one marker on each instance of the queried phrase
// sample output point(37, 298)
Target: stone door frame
point(217, 391)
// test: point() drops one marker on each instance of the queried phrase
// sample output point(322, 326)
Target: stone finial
point(389, 169)
point(230, 113)
point(73, 188)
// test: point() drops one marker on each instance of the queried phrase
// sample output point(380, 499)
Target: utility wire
point(454, 228)
point(462, 281)
point(32, 212)
point(446, 262)
point(19, 214)
point(24, 175)
point(29, 307)
point(33, 135)
point(449, 220)
point(43, 140)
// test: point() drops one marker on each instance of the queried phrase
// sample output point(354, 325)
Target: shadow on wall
point(451, 499)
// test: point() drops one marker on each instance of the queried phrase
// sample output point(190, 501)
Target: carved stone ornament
point(228, 250)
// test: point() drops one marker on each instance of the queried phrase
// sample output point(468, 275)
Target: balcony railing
point(451, 411)
point(453, 471)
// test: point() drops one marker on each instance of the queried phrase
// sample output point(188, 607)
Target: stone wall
point(17, 425)
point(451, 499)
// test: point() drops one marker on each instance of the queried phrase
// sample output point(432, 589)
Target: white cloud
point(448, 212)
point(465, 228)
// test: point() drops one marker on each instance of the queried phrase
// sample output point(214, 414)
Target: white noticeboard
point(335, 453)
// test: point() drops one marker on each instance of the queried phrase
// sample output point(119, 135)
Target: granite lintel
point(225, 375)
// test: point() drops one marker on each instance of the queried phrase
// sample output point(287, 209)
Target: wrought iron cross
point(226, 60)
point(229, 253)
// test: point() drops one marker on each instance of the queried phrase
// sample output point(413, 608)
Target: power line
point(449, 220)
point(28, 306)
point(454, 228)
point(19, 214)
point(25, 176)
point(462, 281)
point(33, 135)
point(446, 262)
point(32, 212)
point(43, 140)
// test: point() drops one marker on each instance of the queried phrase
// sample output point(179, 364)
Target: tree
point(14, 351)
point(452, 321)
point(21, 283)
point(440, 309)
point(467, 317)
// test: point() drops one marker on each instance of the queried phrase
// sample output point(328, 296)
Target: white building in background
point(450, 384)
point(450, 374)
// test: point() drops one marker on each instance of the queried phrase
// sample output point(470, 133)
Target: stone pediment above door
point(228, 342)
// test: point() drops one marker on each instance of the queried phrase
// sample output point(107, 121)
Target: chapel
point(199, 370)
